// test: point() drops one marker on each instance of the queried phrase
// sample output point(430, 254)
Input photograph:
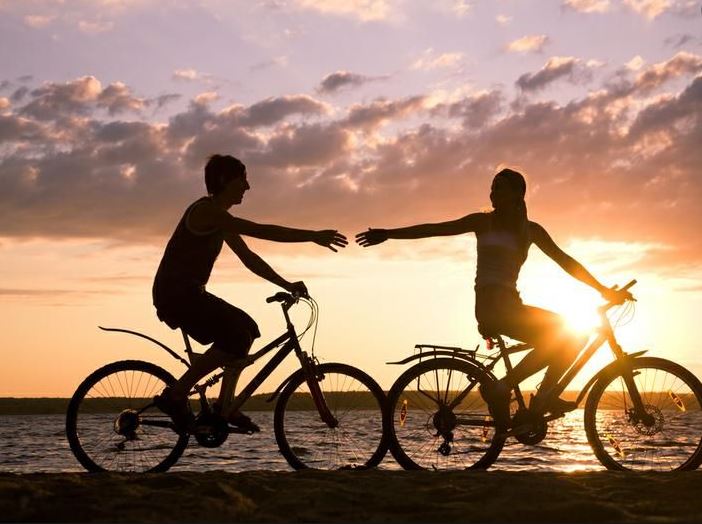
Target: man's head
point(225, 177)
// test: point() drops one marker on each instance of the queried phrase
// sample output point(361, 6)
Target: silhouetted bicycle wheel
point(356, 402)
point(670, 438)
point(108, 427)
point(425, 429)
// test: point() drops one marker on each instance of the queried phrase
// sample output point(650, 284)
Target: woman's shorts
point(209, 319)
point(500, 311)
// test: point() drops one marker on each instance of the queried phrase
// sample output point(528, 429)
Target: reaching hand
point(330, 238)
point(616, 296)
point(372, 237)
point(298, 288)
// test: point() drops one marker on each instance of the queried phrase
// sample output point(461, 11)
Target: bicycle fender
point(605, 371)
point(150, 339)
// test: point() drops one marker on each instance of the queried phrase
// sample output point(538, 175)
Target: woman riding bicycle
point(179, 293)
point(504, 236)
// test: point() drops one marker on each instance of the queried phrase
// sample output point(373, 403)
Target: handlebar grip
point(281, 296)
point(629, 285)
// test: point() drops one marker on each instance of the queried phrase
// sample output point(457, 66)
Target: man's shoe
point(497, 395)
point(555, 406)
point(178, 409)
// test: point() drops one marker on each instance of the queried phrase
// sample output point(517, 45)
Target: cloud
point(619, 163)
point(528, 44)
point(430, 60)
point(588, 6)
point(556, 68)
point(189, 75)
point(273, 110)
point(364, 10)
point(683, 63)
point(503, 20)
point(280, 61)
point(679, 40)
point(370, 116)
point(648, 8)
point(80, 97)
point(339, 80)
point(37, 21)
point(94, 27)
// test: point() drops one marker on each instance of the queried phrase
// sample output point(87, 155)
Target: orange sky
point(98, 159)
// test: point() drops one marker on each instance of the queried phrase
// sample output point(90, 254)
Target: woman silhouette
point(504, 236)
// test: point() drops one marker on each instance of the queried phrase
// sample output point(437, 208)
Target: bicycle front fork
point(314, 377)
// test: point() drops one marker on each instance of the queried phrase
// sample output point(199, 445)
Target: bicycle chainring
point(211, 430)
point(532, 428)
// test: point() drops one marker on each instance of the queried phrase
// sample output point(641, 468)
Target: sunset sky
point(348, 114)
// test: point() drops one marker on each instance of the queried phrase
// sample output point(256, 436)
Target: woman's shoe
point(238, 420)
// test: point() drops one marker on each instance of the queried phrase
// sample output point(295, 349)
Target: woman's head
point(220, 170)
point(507, 197)
point(508, 190)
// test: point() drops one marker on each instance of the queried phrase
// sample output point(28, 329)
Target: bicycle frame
point(288, 343)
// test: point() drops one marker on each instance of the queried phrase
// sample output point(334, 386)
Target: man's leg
point(201, 367)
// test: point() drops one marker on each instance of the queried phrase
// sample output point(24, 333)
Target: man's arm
point(209, 215)
point(259, 266)
point(462, 225)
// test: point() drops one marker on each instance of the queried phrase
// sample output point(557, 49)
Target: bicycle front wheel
point(112, 425)
point(436, 418)
point(356, 402)
point(668, 437)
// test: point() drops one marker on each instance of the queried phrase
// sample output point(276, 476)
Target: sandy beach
point(348, 496)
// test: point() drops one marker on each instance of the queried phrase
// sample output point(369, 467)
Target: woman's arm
point(465, 224)
point(259, 266)
point(571, 266)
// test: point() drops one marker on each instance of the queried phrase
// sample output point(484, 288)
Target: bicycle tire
point(622, 443)
point(91, 422)
point(354, 399)
point(412, 422)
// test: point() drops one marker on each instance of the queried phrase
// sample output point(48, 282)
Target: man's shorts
point(209, 319)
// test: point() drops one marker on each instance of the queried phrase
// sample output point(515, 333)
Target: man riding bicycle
point(179, 293)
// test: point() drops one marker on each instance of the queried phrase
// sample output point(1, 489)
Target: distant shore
point(352, 496)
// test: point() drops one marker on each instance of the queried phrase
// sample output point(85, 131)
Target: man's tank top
point(500, 257)
point(187, 261)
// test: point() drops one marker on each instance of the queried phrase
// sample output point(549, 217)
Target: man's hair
point(220, 170)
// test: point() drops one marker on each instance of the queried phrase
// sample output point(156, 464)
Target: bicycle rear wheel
point(671, 438)
point(356, 402)
point(112, 425)
point(426, 431)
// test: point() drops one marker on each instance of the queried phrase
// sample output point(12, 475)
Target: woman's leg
point(553, 345)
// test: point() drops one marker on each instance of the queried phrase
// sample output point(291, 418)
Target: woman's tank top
point(187, 261)
point(500, 257)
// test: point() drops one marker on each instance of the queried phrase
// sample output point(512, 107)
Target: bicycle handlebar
point(282, 296)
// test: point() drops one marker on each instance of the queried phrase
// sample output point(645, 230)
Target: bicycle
point(327, 416)
point(641, 413)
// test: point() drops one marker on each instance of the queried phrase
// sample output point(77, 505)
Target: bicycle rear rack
point(427, 351)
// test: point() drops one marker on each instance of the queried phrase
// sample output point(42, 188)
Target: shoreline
point(352, 496)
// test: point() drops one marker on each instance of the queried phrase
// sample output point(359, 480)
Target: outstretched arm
point(259, 266)
point(571, 266)
point(465, 224)
point(209, 215)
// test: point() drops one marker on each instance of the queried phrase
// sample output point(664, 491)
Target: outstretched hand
point(330, 238)
point(371, 237)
